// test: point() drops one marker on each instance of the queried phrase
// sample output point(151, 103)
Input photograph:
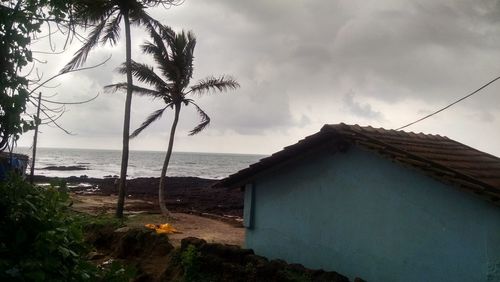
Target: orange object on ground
point(166, 228)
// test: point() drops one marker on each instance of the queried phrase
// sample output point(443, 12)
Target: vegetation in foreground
point(42, 240)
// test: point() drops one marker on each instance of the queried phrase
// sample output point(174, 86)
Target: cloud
point(362, 110)
point(295, 59)
point(253, 111)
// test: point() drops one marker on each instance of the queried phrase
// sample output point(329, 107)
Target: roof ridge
point(363, 128)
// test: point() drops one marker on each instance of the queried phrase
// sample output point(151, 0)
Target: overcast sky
point(303, 64)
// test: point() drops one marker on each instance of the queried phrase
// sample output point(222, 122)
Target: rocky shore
point(184, 194)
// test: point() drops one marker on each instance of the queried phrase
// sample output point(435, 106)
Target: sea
point(106, 163)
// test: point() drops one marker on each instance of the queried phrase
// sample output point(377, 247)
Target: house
point(380, 204)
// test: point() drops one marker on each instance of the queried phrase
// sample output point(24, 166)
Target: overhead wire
point(450, 105)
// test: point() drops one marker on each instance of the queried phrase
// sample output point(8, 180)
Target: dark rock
point(255, 260)
point(230, 253)
point(192, 241)
point(321, 275)
point(297, 267)
point(99, 236)
point(278, 263)
point(65, 168)
point(143, 278)
point(141, 243)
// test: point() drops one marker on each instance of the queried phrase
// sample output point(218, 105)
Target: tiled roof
point(438, 156)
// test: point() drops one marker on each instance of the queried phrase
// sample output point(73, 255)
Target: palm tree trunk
point(126, 121)
point(161, 189)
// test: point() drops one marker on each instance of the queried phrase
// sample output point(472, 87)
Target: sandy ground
point(138, 212)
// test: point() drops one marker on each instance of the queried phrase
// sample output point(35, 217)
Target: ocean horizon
point(101, 163)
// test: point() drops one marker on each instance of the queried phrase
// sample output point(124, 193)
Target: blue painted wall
point(362, 215)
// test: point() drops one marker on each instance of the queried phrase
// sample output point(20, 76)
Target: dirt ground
point(140, 212)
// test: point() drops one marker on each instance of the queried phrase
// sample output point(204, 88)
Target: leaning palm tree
point(105, 16)
point(173, 54)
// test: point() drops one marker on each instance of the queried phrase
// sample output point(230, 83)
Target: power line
point(450, 105)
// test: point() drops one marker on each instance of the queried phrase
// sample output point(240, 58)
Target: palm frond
point(145, 73)
point(212, 84)
point(177, 64)
point(112, 88)
point(151, 48)
point(160, 55)
point(163, 37)
point(188, 54)
point(157, 30)
point(91, 12)
point(151, 118)
point(139, 16)
point(81, 55)
point(112, 30)
point(204, 118)
point(135, 89)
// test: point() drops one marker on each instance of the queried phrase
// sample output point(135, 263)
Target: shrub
point(40, 240)
point(190, 261)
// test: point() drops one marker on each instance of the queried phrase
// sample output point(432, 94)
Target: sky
point(301, 64)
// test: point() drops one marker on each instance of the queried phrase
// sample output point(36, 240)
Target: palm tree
point(173, 54)
point(105, 16)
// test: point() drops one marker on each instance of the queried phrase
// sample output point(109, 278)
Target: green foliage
point(98, 221)
point(19, 20)
point(40, 240)
point(59, 183)
point(117, 272)
point(190, 261)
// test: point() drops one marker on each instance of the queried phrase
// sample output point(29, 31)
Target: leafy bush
point(40, 240)
point(88, 221)
point(190, 261)
point(117, 272)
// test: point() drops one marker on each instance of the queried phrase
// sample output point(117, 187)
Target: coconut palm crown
point(104, 18)
point(174, 54)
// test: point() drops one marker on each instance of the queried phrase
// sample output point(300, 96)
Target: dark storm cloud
point(424, 48)
point(295, 59)
point(416, 50)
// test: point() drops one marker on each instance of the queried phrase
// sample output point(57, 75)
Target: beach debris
point(165, 228)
